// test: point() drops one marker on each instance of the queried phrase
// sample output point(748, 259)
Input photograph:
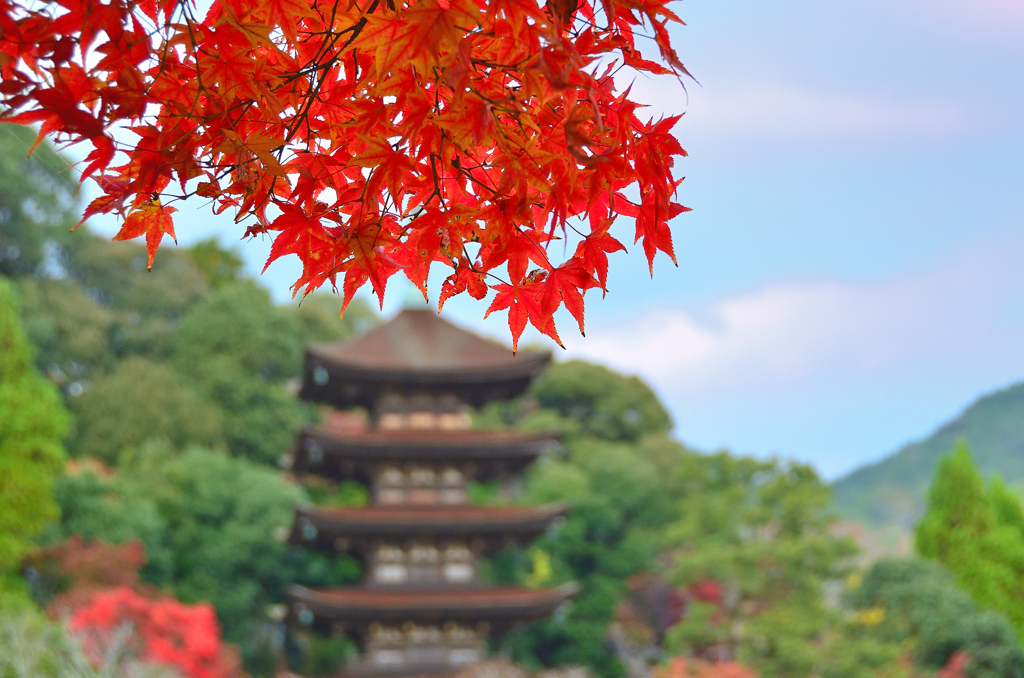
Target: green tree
point(138, 401)
point(71, 331)
point(224, 519)
point(320, 321)
point(145, 305)
point(1006, 506)
point(236, 348)
point(212, 526)
point(241, 322)
point(915, 603)
point(1004, 547)
point(99, 504)
point(958, 517)
point(37, 199)
point(260, 418)
point(220, 265)
point(977, 535)
point(607, 404)
point(621, 474)
point(623, 495)
point(760, 529)
point(33, 423)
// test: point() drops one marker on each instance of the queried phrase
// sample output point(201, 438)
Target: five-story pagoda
point(422, 608)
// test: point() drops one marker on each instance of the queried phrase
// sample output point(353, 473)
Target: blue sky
point(851, 274)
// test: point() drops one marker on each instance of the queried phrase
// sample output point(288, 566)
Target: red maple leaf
point(523, 304)
point(594, 249)
point(152, 220)
point(463, 279)
point(563, 285)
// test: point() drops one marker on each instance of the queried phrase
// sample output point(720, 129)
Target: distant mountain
point(892, 492)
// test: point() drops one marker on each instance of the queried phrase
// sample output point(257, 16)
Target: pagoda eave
point(338, 456)
point(345, 385)
point(367, 670)
point(355, 529)
point(354, 608)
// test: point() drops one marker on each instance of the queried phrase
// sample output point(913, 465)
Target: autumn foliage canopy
point(368, 137)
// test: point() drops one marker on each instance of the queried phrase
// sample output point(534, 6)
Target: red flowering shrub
point(165, 630)
point(707, 591)
point(955, 667)
point(651, 607)
point(683, 667)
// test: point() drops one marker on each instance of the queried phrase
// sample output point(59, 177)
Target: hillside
point(892, 491)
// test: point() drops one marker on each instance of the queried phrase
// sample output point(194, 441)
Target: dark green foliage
point(114, 273)
point(138, 401)
point(32, 424)
point(95, 505)
point(894, 490)
point(916, 603)
point(37, 199)
point(318, 570)
point(223, 520)
point(623, 495)
point(323, 655)
point(96, 303)
point(345, 493)
point(145, 305)
point(607, 404)
point(213, 527)
point(235, 347)
point(221, 515)
point(239, 322)
point(70, 329)
point(260, 419)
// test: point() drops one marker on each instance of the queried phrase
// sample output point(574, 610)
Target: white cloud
point(778, 112)
point(786, 110)
point(812, 366)
point(986, 17)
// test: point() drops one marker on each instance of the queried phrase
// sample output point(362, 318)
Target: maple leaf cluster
point(367, 137)
point(170, 632)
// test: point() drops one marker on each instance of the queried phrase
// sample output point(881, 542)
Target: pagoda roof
point(355, 669)
point(341, 455)
point(359, 606)
point(417, 350)
point(358, 526)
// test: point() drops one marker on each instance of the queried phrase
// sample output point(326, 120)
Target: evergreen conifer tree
point(33, 423)
point(958, 512)
point(977, 534)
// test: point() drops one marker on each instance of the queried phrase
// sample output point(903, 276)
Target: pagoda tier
point(356, 609)
point(360, 456)
point(417, 358)
point(360, 531)
point(421, 632)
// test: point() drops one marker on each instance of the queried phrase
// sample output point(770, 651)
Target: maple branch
point(241, 100)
